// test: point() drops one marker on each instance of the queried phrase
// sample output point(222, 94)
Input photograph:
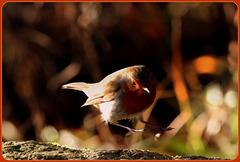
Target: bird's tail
point(88, 89)
point(80, 86)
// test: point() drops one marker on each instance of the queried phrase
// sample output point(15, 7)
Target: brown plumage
point(123, 94)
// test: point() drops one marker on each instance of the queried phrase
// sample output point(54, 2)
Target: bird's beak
point(147, 90)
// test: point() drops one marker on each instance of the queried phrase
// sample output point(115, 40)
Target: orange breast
point(136, 101)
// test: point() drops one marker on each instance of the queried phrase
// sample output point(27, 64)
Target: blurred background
point(191, 48)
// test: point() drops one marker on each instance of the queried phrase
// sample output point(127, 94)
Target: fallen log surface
point(32, 150)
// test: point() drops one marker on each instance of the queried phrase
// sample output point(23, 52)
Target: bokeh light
point(191, 48)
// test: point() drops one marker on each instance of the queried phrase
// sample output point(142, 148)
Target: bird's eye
point(134, 82)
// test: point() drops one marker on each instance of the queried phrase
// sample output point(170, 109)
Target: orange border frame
point(2, 2)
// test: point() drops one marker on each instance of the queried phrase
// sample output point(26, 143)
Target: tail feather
point(80, 86)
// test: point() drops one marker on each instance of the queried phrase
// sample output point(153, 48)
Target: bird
point(124, 94)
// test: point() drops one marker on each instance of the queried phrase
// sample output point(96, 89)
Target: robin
point(124, 94)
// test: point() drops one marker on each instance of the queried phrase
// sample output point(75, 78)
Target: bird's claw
point(168, 129)
point(162, 129)
point(132, 131)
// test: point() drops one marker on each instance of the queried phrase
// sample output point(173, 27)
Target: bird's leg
point(131, 130)
point(160, 128)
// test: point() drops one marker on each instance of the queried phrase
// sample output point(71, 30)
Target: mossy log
point(32, 150)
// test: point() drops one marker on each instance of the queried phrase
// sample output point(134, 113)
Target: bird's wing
point(105, 91)
point(114, 87)
point(93, 101)
point(101, 97)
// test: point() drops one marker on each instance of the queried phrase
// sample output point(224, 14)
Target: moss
point(32, 150)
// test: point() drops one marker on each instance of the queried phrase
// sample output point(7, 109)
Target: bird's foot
point(157, 128)
point(162, 129)
point(131, 130)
